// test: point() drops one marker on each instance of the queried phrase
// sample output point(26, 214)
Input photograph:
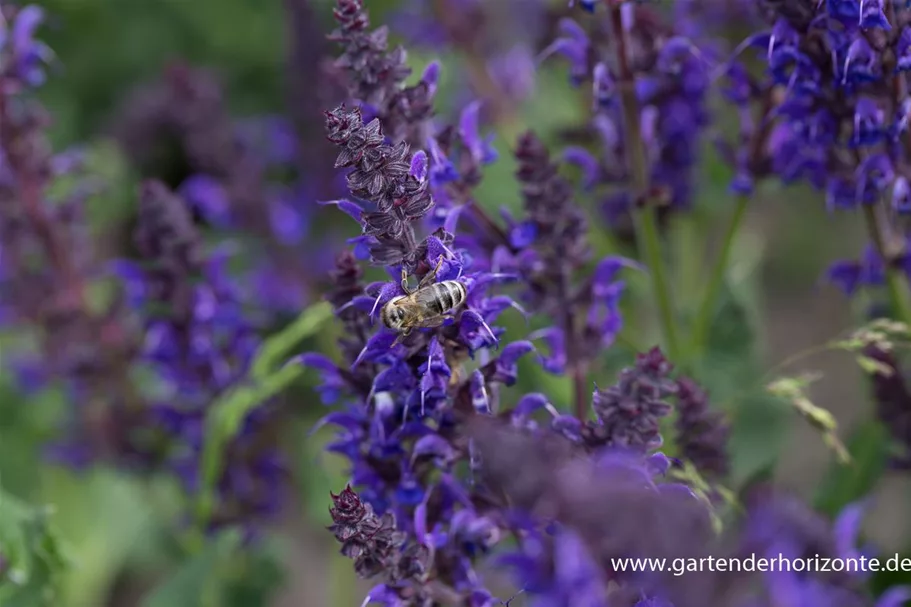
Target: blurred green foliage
point(272, 372)
point(31, 555)
point(106, 47)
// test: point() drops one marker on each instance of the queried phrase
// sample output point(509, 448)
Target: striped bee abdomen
point(442, 297)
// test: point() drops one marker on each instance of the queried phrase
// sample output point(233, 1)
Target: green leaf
point(261, 575)
point(732, 360)
point(34, 558)
point(196, 582)
point(793, 390)
point(758, 435)
point(894, 574)
point(732, 372)
point(227, 414)
point(873, 366)
point(14, 544)
point(108, 515)
point(869, 449)
point(278, 348)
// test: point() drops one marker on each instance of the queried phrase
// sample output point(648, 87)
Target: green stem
point(342, 586)
point(898, 293)
point(645, 218)
point(688, 240)
point(649, 242)
point(896, 282)
point(716, 280)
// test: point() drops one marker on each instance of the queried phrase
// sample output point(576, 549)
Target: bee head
point(393, 315)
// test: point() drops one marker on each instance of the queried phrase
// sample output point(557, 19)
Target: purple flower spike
point(630, 410)
point(603, 87)
point(28, 19)
point(29, 55)
point(435, 378)
point(591, 170)
point(376, 76)
point(587, 5)
point(383, 595)
point(555, 361)
point(894, 597)
point(850, 276)
point(332, 383)
point(376, 349)
point(202, 347)
point(845, 10)
point(441, 168)
point(847, 529)
point(431, 76)
point(515, 72)
point(419, 166)
point(504, 369)
point(702, 433)
point(872, 15)
point(435, 446)
point(901, 195)
point(874, 176)
point(861, 63)
point(603, 279)
point(480, 400)
point(783, 40)
point(476, 332)
point(893, 403)
point(840, 194)
point(480, 149)
point(399, 197)
point(288, 225)
point(903, 50)
point(528, 405)
point(869, 123)
point(573, 44)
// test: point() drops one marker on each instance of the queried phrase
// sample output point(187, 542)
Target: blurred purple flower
point(376, 76)
point(702, 434)
point(672, 76)
point(630, 411)
point(893, 403)
point(834, 67)
point(200, 344)
point(851, 276)
point(236, 174)
point(50, 261)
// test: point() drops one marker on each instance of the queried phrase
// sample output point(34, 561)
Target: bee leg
point(431, 276)
point(401, 336)
point(405, 286)
point(456, 376)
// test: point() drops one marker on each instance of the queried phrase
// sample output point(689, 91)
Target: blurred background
point(132, 78)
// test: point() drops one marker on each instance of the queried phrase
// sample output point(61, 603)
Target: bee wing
point(412, 305)
point(429, 323)
point(427, 298)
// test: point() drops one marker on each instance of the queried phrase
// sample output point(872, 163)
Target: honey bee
point(424, 307)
